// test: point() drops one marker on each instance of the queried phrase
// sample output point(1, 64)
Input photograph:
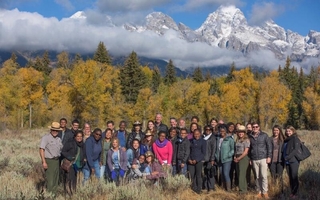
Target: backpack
point(302, 152)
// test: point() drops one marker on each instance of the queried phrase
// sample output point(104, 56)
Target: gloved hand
point(113, 175)
point(122, 172)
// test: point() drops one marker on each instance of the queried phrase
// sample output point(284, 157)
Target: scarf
point(161, 144)
point(206, 137)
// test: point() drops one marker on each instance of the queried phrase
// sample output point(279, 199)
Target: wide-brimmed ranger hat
point(148, 133)
point(55, 126)
point(137, 123)
point(149, 153)
point(241, 128)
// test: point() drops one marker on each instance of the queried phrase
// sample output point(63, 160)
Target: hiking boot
point(266, 196)
point(259, 196)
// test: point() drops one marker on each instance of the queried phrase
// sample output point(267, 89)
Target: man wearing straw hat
point(50, 149)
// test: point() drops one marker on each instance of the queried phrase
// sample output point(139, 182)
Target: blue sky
point(297, 15)
point(45, 25)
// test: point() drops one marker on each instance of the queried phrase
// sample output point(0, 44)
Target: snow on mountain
point(79, 15)
point(227, 27)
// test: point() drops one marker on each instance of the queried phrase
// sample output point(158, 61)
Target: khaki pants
point(52, 175)
point(260, 168)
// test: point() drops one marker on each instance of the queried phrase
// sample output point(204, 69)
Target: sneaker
point(266, 196)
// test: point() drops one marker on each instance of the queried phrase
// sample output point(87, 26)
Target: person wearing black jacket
point(173, 138)
point(74, 151)
point(198, 150)
point(182, 152)
point(289, 150)
point(260, 156)
point(135, 134)
point(208, 181)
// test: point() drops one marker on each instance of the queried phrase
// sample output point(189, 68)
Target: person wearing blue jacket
point(224, 156)
point(93, 152)
point(198, 149)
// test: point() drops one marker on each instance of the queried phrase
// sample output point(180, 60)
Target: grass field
point(21, 176)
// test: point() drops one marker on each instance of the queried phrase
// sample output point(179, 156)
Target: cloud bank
point(31, 31)
point(264, 11)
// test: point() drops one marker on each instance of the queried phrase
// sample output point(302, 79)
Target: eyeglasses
point(255, 126)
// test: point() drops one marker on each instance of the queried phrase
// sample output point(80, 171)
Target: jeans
point(178, 170)
point(260, 168)
point(276, 169)
point(195, 174)
point(225, 170)
point(292, 170)
point(105, 172)
point(208, 178)
point(87, 170)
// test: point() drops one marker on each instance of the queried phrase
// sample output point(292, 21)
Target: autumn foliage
point(94, 91)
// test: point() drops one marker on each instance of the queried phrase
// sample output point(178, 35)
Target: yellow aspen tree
point(273, 101)
point(239, 97)
point(9, 95)
point(311, 107)
point(58, 90)
point(31, 90)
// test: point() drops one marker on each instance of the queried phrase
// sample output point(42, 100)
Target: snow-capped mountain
point(228, 28)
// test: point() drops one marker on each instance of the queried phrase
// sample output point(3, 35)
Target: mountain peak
point(228, 9)
point(79, 15)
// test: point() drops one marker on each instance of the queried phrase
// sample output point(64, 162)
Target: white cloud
point(191, 5)
point(264, 11)
point(65, 4)
point(128, 5)
point(31, 31)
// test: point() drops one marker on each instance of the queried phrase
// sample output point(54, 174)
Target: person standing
point(122, 135)
point(210, 139)
point(93, 151)
point(182, 152)
point(135, 134)
point(224, 156)
point(159, 125)
point(86, 131)
point(260, 157)
point(65, 134)
point(106, 145)
point(198, 149)
point(241, 158)
point(290, 146)
point(50, 151)
point(74, 151)
point(163, 149)
point(276, 165)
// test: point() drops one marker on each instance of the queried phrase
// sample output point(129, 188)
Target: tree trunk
point(30, 115)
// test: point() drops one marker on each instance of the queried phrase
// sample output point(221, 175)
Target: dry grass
point(21, 176)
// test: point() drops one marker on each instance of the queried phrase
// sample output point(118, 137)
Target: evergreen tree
point(102, 55)
point(197, 75)
point(42, 64)
point(207, 77)
point(13, 57)
point(230, 76)
point(132, 78)
point(156, 79)
point(170, 76)
point(63, 60)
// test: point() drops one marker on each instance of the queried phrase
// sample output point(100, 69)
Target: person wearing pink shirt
point(163, 149)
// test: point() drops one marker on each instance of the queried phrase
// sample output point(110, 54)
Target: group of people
point(218, 153)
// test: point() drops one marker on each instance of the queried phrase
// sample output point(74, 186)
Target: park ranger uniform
point(52, 149)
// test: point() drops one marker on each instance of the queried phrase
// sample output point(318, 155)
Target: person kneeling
point(153, 169)
point(117, 161)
